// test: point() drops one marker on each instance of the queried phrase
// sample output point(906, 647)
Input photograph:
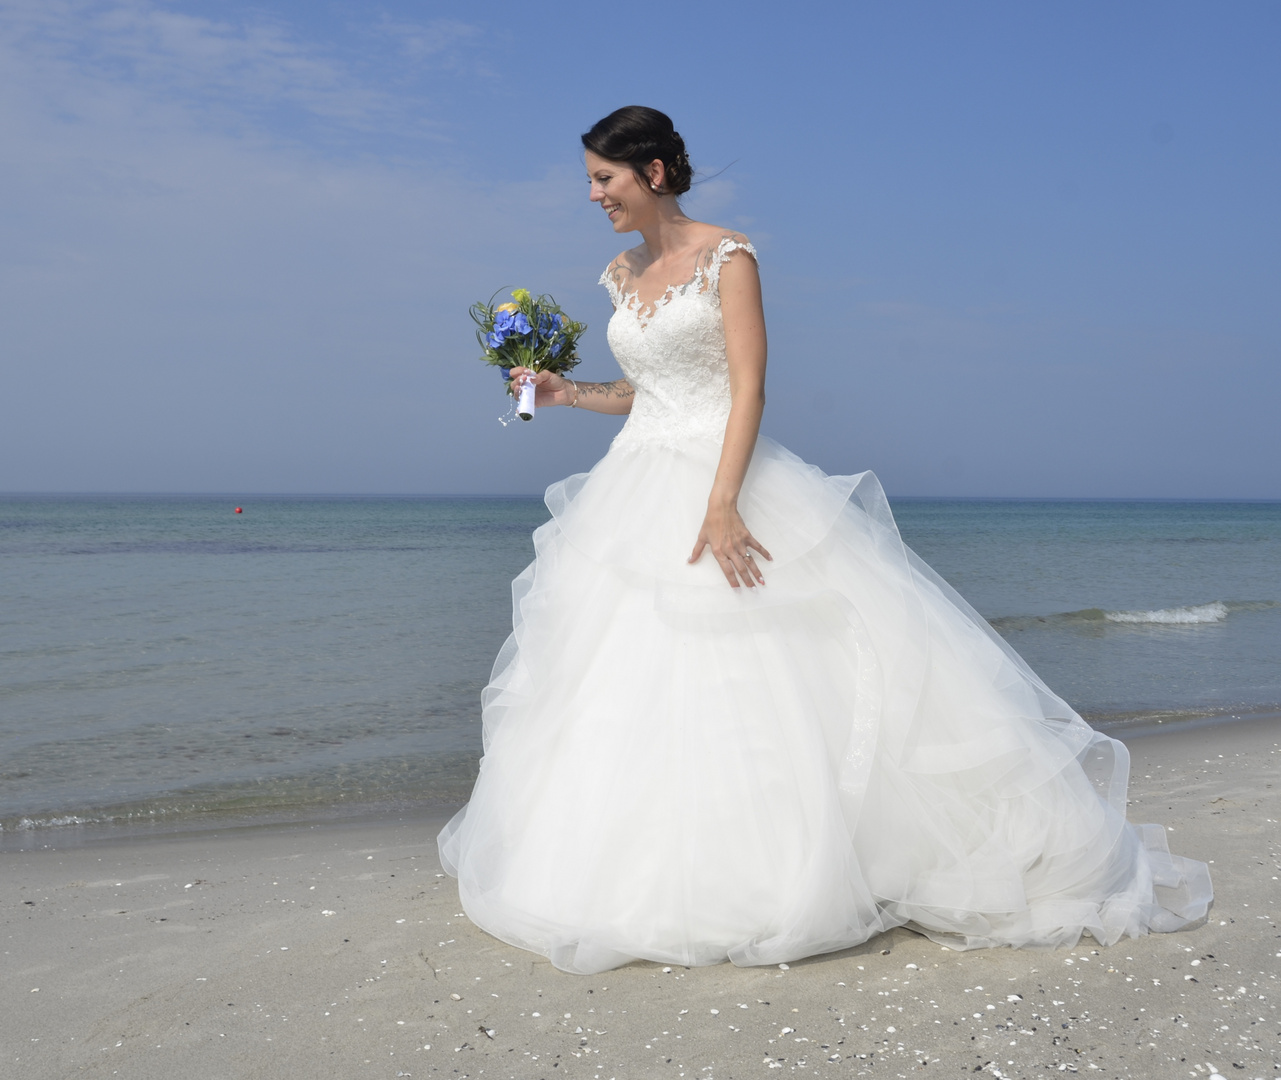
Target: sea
point(172, 663)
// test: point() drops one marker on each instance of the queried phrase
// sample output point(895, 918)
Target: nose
point(597, 193)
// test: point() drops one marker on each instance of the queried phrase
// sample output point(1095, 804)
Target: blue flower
point(550, 327)
point(506, 323)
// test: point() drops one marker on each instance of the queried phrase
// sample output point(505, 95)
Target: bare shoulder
point(713, 235)
point(732, 234)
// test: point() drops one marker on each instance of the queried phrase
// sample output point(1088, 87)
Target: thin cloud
point(443, 41)
point(235, 71)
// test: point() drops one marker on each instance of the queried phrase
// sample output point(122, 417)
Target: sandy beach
point(338, 950)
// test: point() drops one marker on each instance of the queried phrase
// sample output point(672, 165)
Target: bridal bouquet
point(530, 332)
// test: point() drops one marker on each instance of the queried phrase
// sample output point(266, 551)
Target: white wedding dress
point(686, 773)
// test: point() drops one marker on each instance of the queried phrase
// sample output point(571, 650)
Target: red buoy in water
point(239, 511)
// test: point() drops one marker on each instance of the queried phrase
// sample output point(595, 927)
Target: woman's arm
point(745, 348)
point(602, 397)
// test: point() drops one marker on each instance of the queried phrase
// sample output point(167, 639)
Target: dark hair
point(638, 136)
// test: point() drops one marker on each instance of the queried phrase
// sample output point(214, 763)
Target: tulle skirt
point(685, 773)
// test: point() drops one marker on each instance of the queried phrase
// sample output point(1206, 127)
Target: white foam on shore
point(26, 823)
point(1178, 616)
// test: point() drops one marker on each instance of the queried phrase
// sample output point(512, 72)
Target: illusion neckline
point(629, 302)
point(702, 281)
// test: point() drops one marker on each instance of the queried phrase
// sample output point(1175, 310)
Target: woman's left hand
point(732, 546)
point(549, 387)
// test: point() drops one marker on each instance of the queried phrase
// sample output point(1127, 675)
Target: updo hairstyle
point(638, 136)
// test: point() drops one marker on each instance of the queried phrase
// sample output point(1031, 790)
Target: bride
point(738, 718)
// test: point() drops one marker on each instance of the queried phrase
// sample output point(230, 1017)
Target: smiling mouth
point(610, 209)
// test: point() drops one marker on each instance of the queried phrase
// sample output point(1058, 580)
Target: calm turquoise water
point(164, 658)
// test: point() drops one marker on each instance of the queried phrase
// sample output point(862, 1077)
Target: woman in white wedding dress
point(685, 764)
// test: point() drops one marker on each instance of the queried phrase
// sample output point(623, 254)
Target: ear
point(656, 173)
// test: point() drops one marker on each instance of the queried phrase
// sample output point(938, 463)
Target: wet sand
point(339, 951)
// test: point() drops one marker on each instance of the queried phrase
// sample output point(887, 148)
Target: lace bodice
point(674, 357)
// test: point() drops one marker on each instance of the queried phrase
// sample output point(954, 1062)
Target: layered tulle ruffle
point(686, 773)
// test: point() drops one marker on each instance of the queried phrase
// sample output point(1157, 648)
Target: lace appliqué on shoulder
point(611, 286)
point(727, 246)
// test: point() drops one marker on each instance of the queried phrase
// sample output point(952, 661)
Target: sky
point(1007, 249)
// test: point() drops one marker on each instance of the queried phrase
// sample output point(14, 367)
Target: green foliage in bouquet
point(527, 332)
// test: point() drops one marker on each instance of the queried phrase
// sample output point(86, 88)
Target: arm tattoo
point(619, 388)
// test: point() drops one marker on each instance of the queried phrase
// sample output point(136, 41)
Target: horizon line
point(232, 496)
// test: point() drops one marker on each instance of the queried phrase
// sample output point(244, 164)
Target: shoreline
point(84, 826)
point(192, 828)
point(1150, 722)
point(305, 950)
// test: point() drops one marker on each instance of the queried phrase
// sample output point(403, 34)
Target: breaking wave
point(1176, 616)
point(1213, 613)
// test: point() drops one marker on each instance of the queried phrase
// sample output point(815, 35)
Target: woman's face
point(626, 199)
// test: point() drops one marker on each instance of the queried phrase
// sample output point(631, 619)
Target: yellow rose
point(507, 307)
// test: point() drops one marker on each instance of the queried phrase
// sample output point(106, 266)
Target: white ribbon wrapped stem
point(525, 399)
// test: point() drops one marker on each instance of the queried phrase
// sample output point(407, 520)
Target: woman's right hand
point(549, 388)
